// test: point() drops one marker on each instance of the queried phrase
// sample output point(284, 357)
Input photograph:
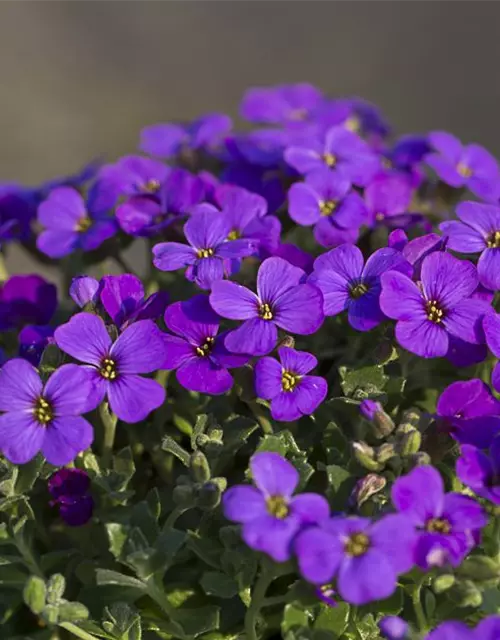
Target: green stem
point(353, 623)
point(76, 631)
point(172, 518)
point(417, 606)
point(262, 419)
point(109, 421)
point(258, 598)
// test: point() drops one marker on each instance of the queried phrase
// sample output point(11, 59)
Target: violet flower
point(69, 489)
point(44, 417)
point(360, 554)
point(349, 284)
point(269, 512)
point(394, 628)
point(481, 471)
point(491, 324)
point(292, 392)
point(487, 629)
point(26, 299)
point(32, 341)
point(387, 199)
point(281, 104)
point(84, 290)
point(114, 367)
point(281, 301)
point(442, 307)
point(447, 523)
point(71, 224)
point(196, 351)
point(207, 232)
point(468, 166)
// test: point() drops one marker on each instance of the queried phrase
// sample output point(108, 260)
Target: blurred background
point(81, 78)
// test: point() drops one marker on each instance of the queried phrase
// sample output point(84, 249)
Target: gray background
point(81, 78)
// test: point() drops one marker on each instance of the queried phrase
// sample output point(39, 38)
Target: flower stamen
point(359, 290)
point(205, 253)
point(108, 369)
point(327, 207)
point(83, 224)
point(277, 507)
point(493, 240)
point(265, 311)
point(329, 159)
point(357, 544)
point(434, 312)
point(438, 525)
point(464, 170)
point(206, 347)
point(289, 380)
point(43, 411)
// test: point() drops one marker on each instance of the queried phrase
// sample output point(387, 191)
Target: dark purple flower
point(491, 324)
point(387, 198)
point(17, 211)
point(168, 140)
point(131, 176)
point(326, 200)
point(468, 166)
point(394, 628)
point(470, 412)
point(397, 240)
point(258, 180)
point(84, 290)
point(281, 104)
point(360, 554)
point(146, 215)
point(262, 148)
point(408, 151)
point(271, 516)
point(124, 300)
point(416, 250)
point(71, 224)
point(207, 232)
point(196, 351)
point(32, 341)
point(477, 232)
point(347, 283)
point(43, 417)
point(69, 489)
point(447, 523)
point(341, 150)
point(442, 307)
point(481, 471)
point(114, 367)
point(487, 629)
point(27, 299)
point(366, 119)
point(281, 301)
point(292, 392)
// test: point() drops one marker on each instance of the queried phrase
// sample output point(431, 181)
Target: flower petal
point(207, 271)
point(256, 337)
point(271, 535)
point(303, 206)
point(300, 309)
point(20, 385)
point(276, 276)
point(335, 289)
point(21, 437)
point(65, 438)
point(178, 351)
point(207, 228)
point(418, 505)
point(366, 578)
point(139, 349)
point(121, 295)
point(170, 256)
point(57, 244)
point(311, 508)
point(233, 301)
point(447, 279)
point(364, 313)
point(299, 362)
point(310, 393)
point(488, 269)
point(243, 504)
point(132, 398)
point(347, 261)
point(401, 298)
point(318, 554)
point(273, 474)
point(203, 375)
point(84, 338)
point(465, 320)
point(462, 238)
point(268, 374)
point(491, 326)
point(62, 209)
point(68, 389)
point(422, 337)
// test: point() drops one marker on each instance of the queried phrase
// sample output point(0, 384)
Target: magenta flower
point(447, 523)
point(44, 417)
point(270, 514)
point(348, 284)
point(196, 351)
point(281, 301)
point(326, 200)
point(113, 368)
point(71, 224)
point(468, 166)
point(360, 554)
point(207, 232)
point(69, 489)
point(292, 392)
point(481, 471)
point(387, 198)
point(443, 307)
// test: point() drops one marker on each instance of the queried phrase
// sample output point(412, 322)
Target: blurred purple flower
point(69, 489)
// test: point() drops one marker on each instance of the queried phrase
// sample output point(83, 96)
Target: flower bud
point(84, 290)
point(466, 594)
point(382, 423)
point(411, 416)
point(198, 467)
point(409, 442)
point(367, 487)
point(183, 495)
point(385, 452)
point(288, 341)
point(479, 568)
point(209, 496)
point(365, 455)
point(443, 583)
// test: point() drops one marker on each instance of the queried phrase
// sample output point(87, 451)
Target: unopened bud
point(479, 568)
point(84, 290)
point(466, 594)
point(209, 496)
point(418, 459)
point(365, 455)
point(199, 467)
point(382, 423)
point(288, 341)
point(367, 487)
point(411, 416)
point(409, 442)
point(443, 583)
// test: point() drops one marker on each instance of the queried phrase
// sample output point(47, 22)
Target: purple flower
point(207, 232)
point(341, 150)
point(131, 176)
point(70, 224)
point(369, 408)
point(361, 555)
point(258, 180)
point(481, 471)
point(114, 367)
point(43, 417)
point(477, 232)
point(387, 198)
point(491, 324)
point(470, 411)
point(17, 210)
point(281, 104)
point(168, 140)
point(69, 489)
point(447, 523)
point(347, 283)
point(196, 351)
point(468, 166)
point(487, 629)
point(295, 256)
point(416, 250)
point(442, 307)
point(281, 301)
point(84, 290)
point(292, 392)
point(408, 151)
point(27, 299)
point(32, 341)
point(326, 594)
point(123, 299)
point(271, 516)
point(146, 215)
point(262, 148)
point(326, 200)
point(394, 628)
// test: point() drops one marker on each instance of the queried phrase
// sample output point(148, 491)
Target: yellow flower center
point(359, 290)
point(289, 380)
point(234, 235)
point(108, 369)
point(83, 224)
point(464, 170)
point(329, 159)
point(357, 544)
point(277, 507)
point(379, 217)
point(298, 114)
point(438, 525)
point(353, 124)
point(151, 186)
point(43, 411)
point(206, 347)
point(205, 253)
point(265, 311)
point(493, 240)
point(434, 311)
point(327, 207)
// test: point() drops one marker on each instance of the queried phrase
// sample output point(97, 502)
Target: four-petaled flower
point(481, 471)
point(292, 392)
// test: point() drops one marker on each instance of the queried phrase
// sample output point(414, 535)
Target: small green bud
point(443, 583)
point(365, 455)
point(385, 452)
point(209, 496)
point(466, 594)
point(367, 487)
point(411, 416)
point(221, 483)
point(216, 435)
point(418, 459)
point(183, 495)
point(55, 588)
point(409, 442)
point(288, 341)
point(479, 568)
point(199, 467)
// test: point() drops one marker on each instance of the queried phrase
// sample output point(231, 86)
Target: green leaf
point(336, 475)
point(122, 621)
point(206, 549)
point(293, 617)
point(55, 588)
point(28, 473)
point(333, 619)
point(72, 611)
point(108, 577)
point(215, 583)
point(117, 534)
point(171, 446)
point(363, 382)
point(194, 622)
point(34, 594)
point(169, 543)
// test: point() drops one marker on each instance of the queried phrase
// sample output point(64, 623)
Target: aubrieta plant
point(287, 425)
